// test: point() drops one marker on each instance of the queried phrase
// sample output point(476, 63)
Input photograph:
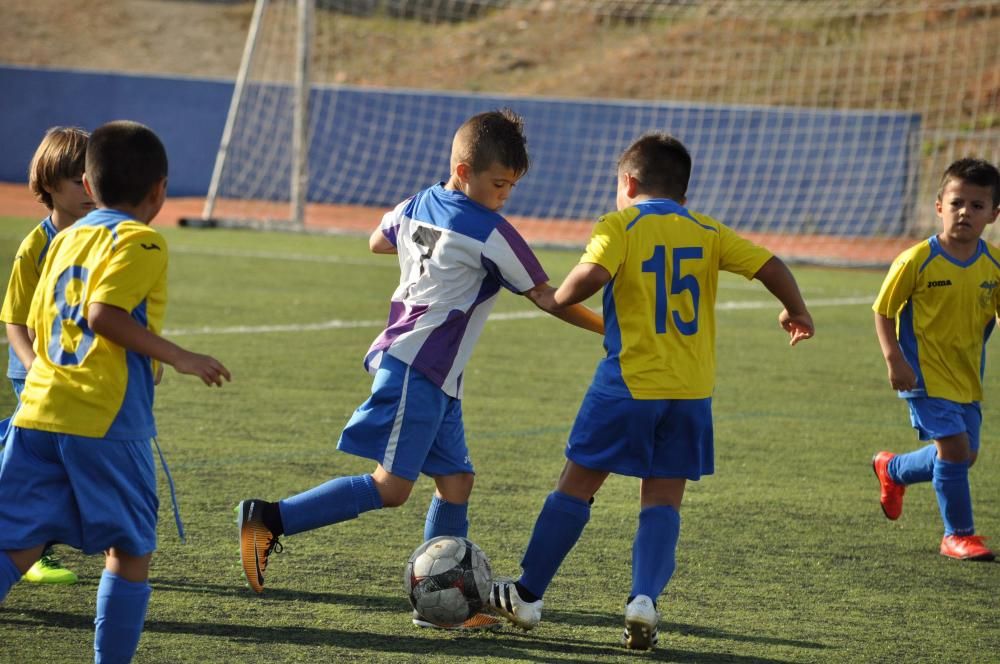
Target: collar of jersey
point(103, 217)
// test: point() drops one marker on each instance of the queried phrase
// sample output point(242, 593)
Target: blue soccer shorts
point(408, 425)
point(643, 437)
point(938, 418)
point(88, 493)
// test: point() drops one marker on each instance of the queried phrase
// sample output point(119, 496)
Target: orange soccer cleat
point(966, 547)
point(891, 497)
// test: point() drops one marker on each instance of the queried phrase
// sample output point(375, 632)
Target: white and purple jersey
point(454, 255)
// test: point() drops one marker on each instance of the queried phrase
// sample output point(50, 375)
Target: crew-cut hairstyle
point(125, 160)
point(495, 137)
point(660, 163)
point(59, 156)
point(974, 171)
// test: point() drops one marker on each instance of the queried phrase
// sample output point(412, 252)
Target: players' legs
point(951, 484)
point(449, 508)
point(655, 544)
point(13, 565)
point(913, 467)
point(559, 525)
point(122, 599)
point(448, 463)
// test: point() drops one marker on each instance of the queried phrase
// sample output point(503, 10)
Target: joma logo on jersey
point(989, 285)
point(940, 282)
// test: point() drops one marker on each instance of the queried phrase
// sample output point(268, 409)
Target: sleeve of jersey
point(391, 221)
point(136, 267)
point(897, 287)
point(739, 255)
point(607, 244)
point(23, 280)
point(509, 258)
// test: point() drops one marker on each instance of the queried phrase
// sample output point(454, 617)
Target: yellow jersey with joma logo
point(81, 383)
point(945, 311)
point(659, 307)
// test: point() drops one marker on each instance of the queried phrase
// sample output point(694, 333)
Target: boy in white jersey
point(648, 412)
point(455, 252)
point(935, 311)
point(55, 177)
point(78, 466)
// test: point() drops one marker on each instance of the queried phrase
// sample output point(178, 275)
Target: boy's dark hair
point(125, 160)
point(974, 171)
point(495, 137)
point(660, 163)
point(59, 156)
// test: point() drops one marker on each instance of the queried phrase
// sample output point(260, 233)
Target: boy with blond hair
point(55, 177)
point(648, 412)
point(78, 466)
point(935, 311)
point(455, 253)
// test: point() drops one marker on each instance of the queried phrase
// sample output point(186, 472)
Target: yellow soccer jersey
point(945, 310)
point(21, 287)
point(80, 382)
point(659, 307)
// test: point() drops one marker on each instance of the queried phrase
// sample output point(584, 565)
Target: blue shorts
point(644, 437)
point(939, 418)
point(408, 425)
point(89, 493)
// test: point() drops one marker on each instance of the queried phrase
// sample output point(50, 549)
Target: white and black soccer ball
point(448, 580)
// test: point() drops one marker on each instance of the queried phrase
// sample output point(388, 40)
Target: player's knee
point(457, 488)
point(393, 494)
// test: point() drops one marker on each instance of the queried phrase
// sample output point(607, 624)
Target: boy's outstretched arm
point(902, 377)
point(795, 318)
point(583, 281)
point(119, 327)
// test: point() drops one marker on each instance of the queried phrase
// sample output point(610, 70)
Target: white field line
point(338, 324)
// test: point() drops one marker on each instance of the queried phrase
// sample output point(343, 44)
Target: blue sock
point(121, 612)
point(557, 529)
point(951, 483)
point(444, 518)
point(913, 467)
point(654, 550)
point(9, 574)
point(332, 502)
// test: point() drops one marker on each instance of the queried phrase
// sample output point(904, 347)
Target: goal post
point(819, 126)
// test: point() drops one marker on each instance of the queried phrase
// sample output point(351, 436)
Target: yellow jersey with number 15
point(81, 383)
point(659, 307)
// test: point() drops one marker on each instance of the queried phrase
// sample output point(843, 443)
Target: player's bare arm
point(795, 318)
point(379, 244)
point(902, 377)
point(20, 339)
point(118, 326)
point(544, 296)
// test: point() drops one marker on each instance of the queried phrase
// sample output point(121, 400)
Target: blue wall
point(187, 114)
point(755, 168)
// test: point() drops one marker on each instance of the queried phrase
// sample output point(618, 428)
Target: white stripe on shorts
point(390, 448)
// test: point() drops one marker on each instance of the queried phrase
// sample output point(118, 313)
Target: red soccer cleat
point(966, 547)
point(892, 493)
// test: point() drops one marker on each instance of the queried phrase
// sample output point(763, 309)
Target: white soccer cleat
point(641, 620)
point(505, 601)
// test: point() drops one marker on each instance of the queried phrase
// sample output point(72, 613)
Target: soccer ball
point(448, 580)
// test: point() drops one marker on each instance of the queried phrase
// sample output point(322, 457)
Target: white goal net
point(821, 125)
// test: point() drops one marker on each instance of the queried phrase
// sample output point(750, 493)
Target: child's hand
point(902, 377)
point(799, 326)
point(206, 367)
